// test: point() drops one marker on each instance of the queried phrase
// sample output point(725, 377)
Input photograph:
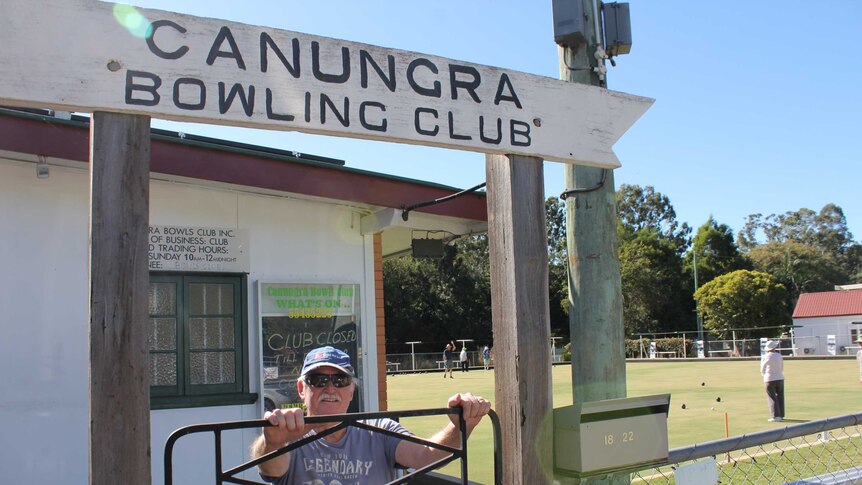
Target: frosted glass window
point(210, 299)
point(163, 334)
point(163, 298)
point(195, 336)
point(211, 333)
point(163, 369)
point(212, 367)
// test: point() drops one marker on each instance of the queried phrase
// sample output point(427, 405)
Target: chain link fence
point(816, 452)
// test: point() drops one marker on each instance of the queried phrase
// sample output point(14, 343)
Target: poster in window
point(296, 318)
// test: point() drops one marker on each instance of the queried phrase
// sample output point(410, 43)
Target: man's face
point(328, 399)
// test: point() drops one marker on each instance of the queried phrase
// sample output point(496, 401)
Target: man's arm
point(414, 455)
point(287, 425)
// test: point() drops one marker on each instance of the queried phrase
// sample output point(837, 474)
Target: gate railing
point(344, 420)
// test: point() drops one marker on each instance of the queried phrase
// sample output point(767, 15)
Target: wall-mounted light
point(42, 170)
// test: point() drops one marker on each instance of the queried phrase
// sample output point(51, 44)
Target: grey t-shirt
point(362, 457)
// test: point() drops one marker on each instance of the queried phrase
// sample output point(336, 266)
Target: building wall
point(811, 333)
point(44, 302)
point(43, 307)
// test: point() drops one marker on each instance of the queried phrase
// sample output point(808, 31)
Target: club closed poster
point(296, 318)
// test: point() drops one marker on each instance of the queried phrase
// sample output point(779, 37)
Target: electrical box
point(568, 22)
point(427, 248)
point(613, 435)
point(617, 28)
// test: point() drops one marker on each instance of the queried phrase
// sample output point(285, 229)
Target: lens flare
point(132, 20)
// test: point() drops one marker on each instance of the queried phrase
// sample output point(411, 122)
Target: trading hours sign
point(85, 55)
point(186, 248)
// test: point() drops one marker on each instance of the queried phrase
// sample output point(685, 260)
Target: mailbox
point(605, 436)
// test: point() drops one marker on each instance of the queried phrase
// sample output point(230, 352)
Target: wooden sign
point(85, 55)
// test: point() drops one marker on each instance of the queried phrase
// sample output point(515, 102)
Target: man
point(772, 370)
point(447, 360)
point(351, 455)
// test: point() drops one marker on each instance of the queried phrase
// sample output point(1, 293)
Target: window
point(198, 341)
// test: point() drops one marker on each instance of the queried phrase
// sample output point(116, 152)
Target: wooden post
point(595, 291)
point(520, 314)
point(119, 356)
point(595, 305)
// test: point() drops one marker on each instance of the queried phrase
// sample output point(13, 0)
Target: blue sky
point(757, 103)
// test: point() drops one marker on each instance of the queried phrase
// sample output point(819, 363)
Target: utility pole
point(595, 294)
point(595, 290)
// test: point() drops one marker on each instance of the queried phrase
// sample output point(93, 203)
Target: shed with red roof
point(829, 322)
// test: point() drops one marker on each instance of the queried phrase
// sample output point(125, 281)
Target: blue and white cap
point(327, 357)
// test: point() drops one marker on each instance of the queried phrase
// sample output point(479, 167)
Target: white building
point(828, 323)
point(256, 256)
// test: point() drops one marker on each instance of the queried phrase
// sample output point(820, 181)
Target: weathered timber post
point(119, 423)
point(520, 314)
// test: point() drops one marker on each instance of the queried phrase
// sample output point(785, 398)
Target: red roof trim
point(52, 138)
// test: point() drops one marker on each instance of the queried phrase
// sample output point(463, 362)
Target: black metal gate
point(353, 419)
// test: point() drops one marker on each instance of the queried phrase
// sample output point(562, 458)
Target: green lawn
point(814, 389)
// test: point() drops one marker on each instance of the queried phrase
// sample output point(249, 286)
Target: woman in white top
point(859, 358)
point(772, 370)
point(464, 360)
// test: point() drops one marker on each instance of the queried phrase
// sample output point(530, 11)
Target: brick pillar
point(381, 322)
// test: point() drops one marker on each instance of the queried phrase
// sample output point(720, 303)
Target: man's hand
point(474, 408)
point(413, 455)
point(287, 425)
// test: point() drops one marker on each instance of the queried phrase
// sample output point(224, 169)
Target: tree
point(854, 263)
point(470, 279)
point(441, 299)
point(749, 301)
point(642, 207)
point(558, 283)
point(436, 300)
point(716, 253)
point(655, 297)
point(799, 267)
point(825, 231)
point(555, 219)
point(411, 303)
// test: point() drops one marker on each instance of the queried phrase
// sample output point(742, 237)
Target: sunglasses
point(320, 380)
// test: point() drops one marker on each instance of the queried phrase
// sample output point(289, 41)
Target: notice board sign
point(188, 248)
point(298, 317)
